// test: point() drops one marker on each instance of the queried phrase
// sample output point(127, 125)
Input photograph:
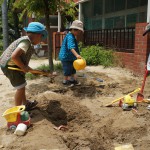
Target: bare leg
point(20, 97)
point(65, 77)
point(74, 76)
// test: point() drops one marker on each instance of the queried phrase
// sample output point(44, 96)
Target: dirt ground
point(91, 125)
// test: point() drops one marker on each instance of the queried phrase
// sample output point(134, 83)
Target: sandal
point(30, 105)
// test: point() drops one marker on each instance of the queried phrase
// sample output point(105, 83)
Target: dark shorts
point(16, 78)
point(68, 68)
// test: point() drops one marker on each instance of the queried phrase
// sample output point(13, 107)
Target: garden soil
point(90, 125)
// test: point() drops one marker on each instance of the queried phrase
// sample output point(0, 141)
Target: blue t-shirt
point(68, 43)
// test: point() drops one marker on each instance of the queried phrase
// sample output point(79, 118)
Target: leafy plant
point(96, 55)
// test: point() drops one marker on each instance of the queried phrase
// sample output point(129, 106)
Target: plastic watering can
point(79, 64)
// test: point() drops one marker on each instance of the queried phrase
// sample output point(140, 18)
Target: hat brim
point(44, 32)
point(74, 27)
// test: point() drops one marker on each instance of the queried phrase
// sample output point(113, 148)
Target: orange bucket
point(79, 64)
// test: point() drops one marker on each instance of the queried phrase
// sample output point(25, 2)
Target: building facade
point(108, 14)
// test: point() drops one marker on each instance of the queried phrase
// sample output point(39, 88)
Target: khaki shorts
point(16, 78)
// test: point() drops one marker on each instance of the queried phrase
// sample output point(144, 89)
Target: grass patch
point(57, 67)
point(31, 76)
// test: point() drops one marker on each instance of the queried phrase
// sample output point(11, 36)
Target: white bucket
point(21, 129)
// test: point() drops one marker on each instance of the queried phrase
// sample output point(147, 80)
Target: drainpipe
point(103, 13)
point(148, 11)
point(59, 21)
point(80, 11)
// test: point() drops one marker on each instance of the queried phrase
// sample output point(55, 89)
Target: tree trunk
point(16, 24)
point(50, 54)
point(47, 20)
point(5, 25)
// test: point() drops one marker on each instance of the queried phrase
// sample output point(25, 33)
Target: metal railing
point(120, 39)
point(57, 42)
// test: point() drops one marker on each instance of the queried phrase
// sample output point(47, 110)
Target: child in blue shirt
point(69, 52)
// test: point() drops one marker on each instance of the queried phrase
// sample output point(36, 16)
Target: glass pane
point(119, 5)
point(96, 24)
point(142, 17)
point(87, 23)
point(87, 9)
point(53, 20)
point(132, 3)
point(109, 6)
point(98, 7)
point(131, 20)
point(109, 23)
point(119, 22)
point(143, 2)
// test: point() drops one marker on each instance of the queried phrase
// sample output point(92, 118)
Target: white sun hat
point(77, 24)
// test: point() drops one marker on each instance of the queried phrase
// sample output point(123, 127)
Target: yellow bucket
point(79, 64)
point(11, 114)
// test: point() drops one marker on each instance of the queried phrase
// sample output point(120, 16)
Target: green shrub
point(96, 55)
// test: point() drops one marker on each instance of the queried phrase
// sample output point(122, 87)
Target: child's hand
point(26, 69)
point(78, 57)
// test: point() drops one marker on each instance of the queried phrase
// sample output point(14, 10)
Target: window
point(53, 20)
point(132, 3)
point(109, 6)
point(98, 7)
point(87, 23)
point(119, 22)
point(142, 17)
point(143, 2)
point(87, 9)
point(131, 20)
point(96, 24)
point(109, 23)
point(119, 5)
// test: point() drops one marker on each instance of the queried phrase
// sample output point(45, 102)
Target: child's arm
point(76, 54)
point(17, 60)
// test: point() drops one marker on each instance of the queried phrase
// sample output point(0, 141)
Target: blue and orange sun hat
point(37, 27)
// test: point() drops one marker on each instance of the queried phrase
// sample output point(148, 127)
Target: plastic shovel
point(35, 72)
point(140, 96)
point(116, 100)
